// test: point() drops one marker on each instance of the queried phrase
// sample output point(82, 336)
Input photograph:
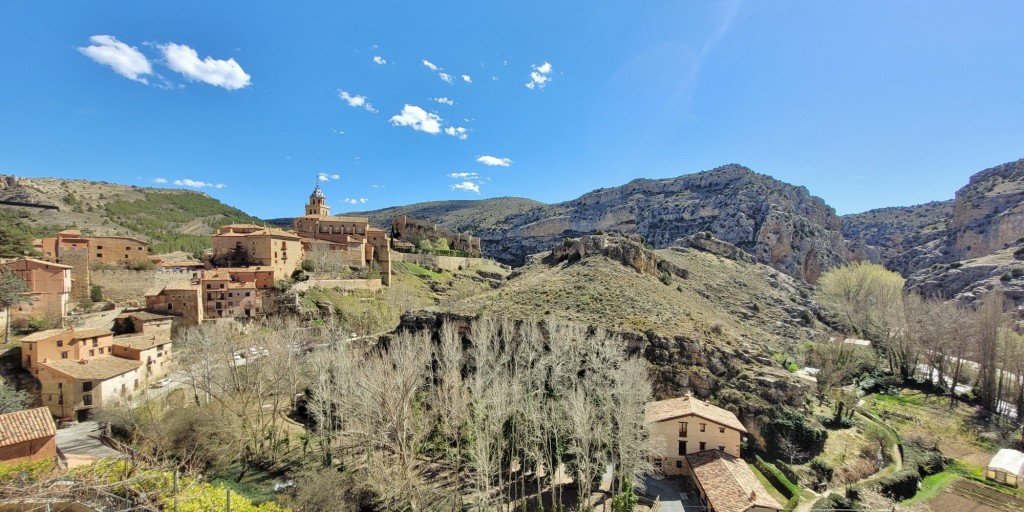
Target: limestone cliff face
point(778, 224)
point(988, 213)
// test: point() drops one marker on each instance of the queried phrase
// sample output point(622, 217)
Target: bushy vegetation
point(778, 480)
point(159, 214)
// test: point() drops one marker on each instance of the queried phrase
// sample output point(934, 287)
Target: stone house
point(350, 239)
point(183, 301)
point(153, 351)
point(49, 289)
point(71, 387)
point(695, 439)
point(257, 246)
point(407, 231)
point(109, 250)
point(63, 344)
point(685, 425)
point(143, 322)
point(726, 484)
point(27, 436)
point(1006, 467)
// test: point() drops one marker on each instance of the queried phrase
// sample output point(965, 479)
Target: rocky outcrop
point(778, 224)
point(970, 280)
point(708, 243)
point(988, 213)
point(626, 249)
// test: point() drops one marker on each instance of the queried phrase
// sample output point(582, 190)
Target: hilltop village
point(341, 362)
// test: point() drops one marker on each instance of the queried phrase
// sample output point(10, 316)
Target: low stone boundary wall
point(373, 285)
point(132, 285)
point(449, 263)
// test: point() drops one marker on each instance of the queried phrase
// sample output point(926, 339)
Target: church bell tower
point(317, 203)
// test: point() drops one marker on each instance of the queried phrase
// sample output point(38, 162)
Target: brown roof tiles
point(729, 484)
point(19, 427)
point(97, 368)
point(687, 405)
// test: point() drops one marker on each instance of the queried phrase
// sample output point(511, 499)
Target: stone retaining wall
point(122, 286)
point(373, 285)
point(449, 263)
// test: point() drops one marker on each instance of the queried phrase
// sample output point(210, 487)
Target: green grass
point(256, 486)
point(768, 485)
point(900, 400)
point(414, 269)
point(933, 485)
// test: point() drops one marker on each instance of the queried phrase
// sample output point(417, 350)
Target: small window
point(99, 248)
point(170, 306)
point(721, 430)
point(721, 448)
point(95, 342)
point(87, 386)
point(208, 286)
point(247, 294)
point(99, 255)
point(679, 464)
point(92, 352)
point(682, 447)
point(657, 463)
point(87, 399)
point(682, 429)
point(140, 247)
point(64, 355)
point(703, 426)
point(60, 343)
point(101, 350)
point(703, 446)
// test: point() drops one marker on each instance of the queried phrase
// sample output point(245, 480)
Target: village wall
point(78, 260)
point(373, 285)
point(449, 263)
point(122, 286)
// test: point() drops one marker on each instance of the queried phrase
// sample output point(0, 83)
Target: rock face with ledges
point(778, 224)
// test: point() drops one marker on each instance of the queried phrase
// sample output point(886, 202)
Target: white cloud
point(378, 186)
point(352, 200)
point(459, 132)
point(126, 61)
point(221, 73)
point(323, 177)
point(327, 177)
point(335, 177)
point(429, 64)
point(377, 59)
point(446, 77)
point(464, 175)
point(159, 180)
point(418, 119)
point(540, 76)
point(355, 100)
point(468, 79)
point(494, 161)
point(196, 183)
point(468, 186)
point(445, 100)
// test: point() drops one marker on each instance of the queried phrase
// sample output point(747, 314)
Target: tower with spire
point(317, 203)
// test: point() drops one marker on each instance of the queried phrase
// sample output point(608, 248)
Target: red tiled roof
point(687, 405)
point(19, 427)
point(729, 484)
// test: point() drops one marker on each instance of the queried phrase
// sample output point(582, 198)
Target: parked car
point(160, 383)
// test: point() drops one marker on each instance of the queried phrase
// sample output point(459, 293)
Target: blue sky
point(867, 104)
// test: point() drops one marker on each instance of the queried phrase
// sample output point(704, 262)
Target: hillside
point(720, 327)
point(895, 230)
point(171, 220)
point(779, 224)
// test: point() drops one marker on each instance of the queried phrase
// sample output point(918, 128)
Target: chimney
point(753, 495)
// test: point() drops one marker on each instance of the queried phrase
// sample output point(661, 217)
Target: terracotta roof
point(256, 230)
point(44, 335)
point(143, 342)
point(97, 368)
point(687, 405)
point(22, 426)
point(41, 262)
point(728, 483)
point(90, 333)
point(145, 316)
point(139, 240)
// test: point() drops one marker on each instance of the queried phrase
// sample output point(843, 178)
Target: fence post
point(175, 490)
point(229, 499)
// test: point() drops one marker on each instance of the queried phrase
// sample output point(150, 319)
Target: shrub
point(833, 502)
point(95, 293)
point(955, 264)
point(787, 470)
point(308, 265)
point(776, 478)
point(822, 469)
point(1005, 277)
point(791, 504)
point(625, 501)
point(900, 485)
point(665, 278)
point(143, 265)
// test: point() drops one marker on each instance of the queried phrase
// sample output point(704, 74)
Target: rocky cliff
point(778, 224)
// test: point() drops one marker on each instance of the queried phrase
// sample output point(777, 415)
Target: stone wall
point(78, 260)
point(449, 263)
point(122, 286)
point(373, 285)
point(412, 230)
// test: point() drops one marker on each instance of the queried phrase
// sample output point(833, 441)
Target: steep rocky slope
point(898, 229)
point(779, 224)
point(169, 219)
point(706, 323)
